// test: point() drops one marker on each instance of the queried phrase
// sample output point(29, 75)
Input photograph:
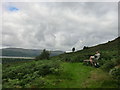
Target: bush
point(76, 59)
point(39, 82)
point(117, 62)
point(106, 56)
point(66, 58)
point(85, 47)
point(72, 58)
point(102, 62)
point(108, 65)
point(25, 73)
point(44, 55)
point(115, 72)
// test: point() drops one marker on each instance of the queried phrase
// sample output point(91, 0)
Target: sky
point(58, 25)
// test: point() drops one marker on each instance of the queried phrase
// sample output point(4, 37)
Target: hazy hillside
point(20, 52)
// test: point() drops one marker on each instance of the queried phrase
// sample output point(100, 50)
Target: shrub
point(44, 55)
point(66, 58)
point(73, 49)
point(38, 83)
point(115, 72)
point(102, 61)
point(27, 72)
point(85, 47)
point(76, 59)
point(106, 56)
point(108, 65)
point(117, 62)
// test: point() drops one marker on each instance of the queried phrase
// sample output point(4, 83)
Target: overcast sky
point(58, 26)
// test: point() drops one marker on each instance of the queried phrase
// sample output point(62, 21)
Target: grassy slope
point(80, 76)
point(88, 77)
point(74, 75)
point(77, 75)
point(108, 50)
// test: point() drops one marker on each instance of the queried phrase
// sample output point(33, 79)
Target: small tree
point(85, 47)
point(73, 49)
point(44, 55)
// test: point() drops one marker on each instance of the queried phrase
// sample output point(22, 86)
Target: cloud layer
point(58, 26)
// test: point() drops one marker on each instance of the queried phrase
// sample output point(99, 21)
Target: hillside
point(110, 45)
point(67, 70)
point(20, 52)
point(107, 50)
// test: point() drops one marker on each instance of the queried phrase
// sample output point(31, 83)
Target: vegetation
point(115, 72)
point(67, 70)
point(44, 55)
point(85, 47)
point(14, 60)
point(73, 49)
point(24, 74)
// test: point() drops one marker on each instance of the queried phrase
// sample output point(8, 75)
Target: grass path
point(77, 75)
point(73, 76)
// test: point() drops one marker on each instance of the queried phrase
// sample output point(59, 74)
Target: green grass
point(77, 75)
point(72, 75)
point(99, 79)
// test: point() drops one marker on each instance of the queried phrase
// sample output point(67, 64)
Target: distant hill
point(20, 52)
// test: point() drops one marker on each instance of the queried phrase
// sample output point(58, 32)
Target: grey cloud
point(59, 25)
